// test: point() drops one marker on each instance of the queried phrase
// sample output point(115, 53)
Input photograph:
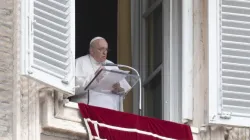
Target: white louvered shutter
point(233, 59)
point(50, 48)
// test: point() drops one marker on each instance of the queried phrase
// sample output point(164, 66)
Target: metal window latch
point(226, 115)
point(30, 71)
point(65, 81)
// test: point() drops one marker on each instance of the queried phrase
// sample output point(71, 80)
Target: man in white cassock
point(86, 68)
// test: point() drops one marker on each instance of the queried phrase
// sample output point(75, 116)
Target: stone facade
point(7, 60)
point(27, 112)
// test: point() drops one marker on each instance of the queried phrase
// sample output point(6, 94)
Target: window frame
point(172, 97)
point(187, 60)
point(146, 79)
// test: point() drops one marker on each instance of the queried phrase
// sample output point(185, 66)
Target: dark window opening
point(96, 18)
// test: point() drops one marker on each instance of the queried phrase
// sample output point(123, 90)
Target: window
point(154, 58)
point(48, 42)
point(154, 40)
point(153, 97)
point(160, 58)
point(229, 56)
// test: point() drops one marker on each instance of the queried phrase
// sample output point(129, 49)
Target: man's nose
point(105, 52)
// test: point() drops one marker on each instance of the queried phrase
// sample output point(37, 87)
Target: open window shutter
point(50, 49)
point(232, 67)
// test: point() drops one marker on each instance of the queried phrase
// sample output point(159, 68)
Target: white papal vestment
point(86, 67)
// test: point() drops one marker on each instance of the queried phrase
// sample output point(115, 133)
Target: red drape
point(114, 125)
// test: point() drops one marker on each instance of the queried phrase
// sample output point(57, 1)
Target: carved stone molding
point(55, 117)
point(68, 111)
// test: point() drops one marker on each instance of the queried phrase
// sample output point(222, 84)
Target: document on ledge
point(109, 79)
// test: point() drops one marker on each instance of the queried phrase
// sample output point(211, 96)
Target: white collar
point(92, 59)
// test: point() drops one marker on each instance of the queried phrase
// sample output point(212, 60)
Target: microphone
point(109, 64)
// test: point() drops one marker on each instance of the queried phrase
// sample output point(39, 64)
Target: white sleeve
point(82, 81)
point(82, 78)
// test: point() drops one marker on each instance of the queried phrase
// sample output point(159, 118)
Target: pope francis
point(86, 68)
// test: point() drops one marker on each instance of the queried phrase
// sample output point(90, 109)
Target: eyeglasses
point(101, 50)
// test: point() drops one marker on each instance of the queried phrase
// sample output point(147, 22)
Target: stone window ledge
point(60, 118)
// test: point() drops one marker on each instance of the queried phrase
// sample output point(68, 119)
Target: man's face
point(100, 50)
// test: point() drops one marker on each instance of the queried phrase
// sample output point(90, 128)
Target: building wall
point(200, 87)
point(21, 99)
point(6, 68)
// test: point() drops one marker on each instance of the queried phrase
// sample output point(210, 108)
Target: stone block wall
point(6, 68)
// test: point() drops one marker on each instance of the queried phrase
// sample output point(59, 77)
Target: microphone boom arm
point(140, 94)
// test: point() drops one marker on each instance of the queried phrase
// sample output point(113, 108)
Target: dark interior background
point(96, 18)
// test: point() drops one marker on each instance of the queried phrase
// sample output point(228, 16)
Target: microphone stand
point(140, 94)
point(137, 73)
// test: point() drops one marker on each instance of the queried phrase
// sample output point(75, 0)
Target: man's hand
point(117, 88)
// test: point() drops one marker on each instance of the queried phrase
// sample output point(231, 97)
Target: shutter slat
point(50, 31)
point(240, 3)
point(233, 16)
point(229, 86)
point(235, 78)
point(235, 81)
point(239, 44)
point(236, 102)
point(44, 69)
point(230, 7)
point(237, 110)
point(56, 4)
point(236, 38)
point(51, 24)
point(236, 9)
point(50, 53)
point(226, 66)
point(235, 23)
point(235, 88)
point(50, 68)
point(234, 35)
point(50, 60)
point(49, 8)
point(237, 52)
point(236, 59)
point(236, 95)
point(236, 73)
point(51, 17)
point(49, 45)
point(50, 38)
point(64, 2)
point(235, 31)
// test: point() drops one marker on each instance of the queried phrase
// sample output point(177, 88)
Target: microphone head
point(109, 64)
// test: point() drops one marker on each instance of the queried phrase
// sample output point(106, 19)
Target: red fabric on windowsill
point(126, 120)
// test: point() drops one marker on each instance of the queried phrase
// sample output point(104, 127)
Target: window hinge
point(226, 115)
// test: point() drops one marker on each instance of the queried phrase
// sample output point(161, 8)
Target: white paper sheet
point(109, 79)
